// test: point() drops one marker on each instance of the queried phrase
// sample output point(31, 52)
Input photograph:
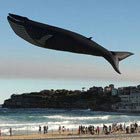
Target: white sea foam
point(78, 118)
point(58, 123)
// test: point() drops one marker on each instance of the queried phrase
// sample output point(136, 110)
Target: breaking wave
point(78, 118)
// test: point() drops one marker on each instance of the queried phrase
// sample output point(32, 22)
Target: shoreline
point(118, 136)
point(79, 134)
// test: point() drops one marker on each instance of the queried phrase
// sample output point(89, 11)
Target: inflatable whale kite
point(55, 38)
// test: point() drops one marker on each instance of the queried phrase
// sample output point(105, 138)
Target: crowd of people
point(45, 129)
point(88, 130)
point(91, 129)
point(114, 128)
point(122, 128)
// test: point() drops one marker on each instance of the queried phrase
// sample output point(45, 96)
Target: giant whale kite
point(55, 38)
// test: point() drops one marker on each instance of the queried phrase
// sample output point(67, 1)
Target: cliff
point(62, 99)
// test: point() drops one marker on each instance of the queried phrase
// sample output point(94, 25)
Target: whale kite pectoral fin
point(118, 56)
point(43, 39)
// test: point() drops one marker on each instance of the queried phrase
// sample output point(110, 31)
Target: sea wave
point(78, 117)
point(34, 124)
point(59, 123)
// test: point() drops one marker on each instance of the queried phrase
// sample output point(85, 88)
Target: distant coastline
point(109, 98)
point(95, 98)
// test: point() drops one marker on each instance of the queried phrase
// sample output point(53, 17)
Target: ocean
point(26, 121)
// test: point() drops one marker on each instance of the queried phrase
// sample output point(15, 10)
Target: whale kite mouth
point(17, 18)
point(18, 24)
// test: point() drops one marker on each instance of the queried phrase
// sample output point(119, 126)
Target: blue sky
point(113, 24)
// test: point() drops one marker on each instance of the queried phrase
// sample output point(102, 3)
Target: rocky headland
point(94, 98)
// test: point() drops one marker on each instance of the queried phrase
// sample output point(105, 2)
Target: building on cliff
point(130, 100)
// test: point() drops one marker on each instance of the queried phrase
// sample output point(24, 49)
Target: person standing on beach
point(127, 130)
point(39, 129)
point(98, 130)
point(63, 129)
point(110, 129)
point(59, 129)
point(47, 129)
point(10, 131)
point(79, 130)
point(124, 127)
point(44, 129)
point(136, 126)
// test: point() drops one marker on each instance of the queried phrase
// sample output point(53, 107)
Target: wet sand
point(56, 135)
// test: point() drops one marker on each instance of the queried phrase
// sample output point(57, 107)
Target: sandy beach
point(89, 137)
point(70, 136)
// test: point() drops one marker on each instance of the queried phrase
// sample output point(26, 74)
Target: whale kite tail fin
point(118, 56)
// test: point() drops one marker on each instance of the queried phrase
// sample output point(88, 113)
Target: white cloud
point(69, 71)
